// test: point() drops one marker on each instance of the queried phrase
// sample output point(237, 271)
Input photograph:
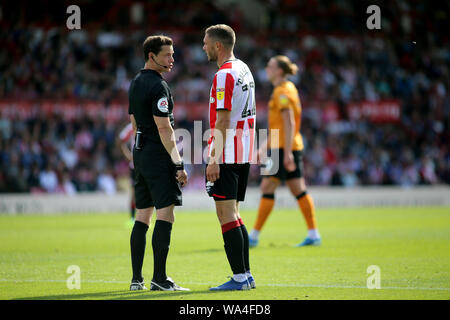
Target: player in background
point(126, 142)
point(232, 113)
point(284, 114)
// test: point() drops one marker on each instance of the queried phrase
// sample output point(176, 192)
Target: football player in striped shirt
point(232, 113)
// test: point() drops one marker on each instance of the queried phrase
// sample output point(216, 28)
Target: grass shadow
point(202, 251)
point(120, 295)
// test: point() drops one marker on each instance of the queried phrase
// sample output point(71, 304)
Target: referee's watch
point(179, 165)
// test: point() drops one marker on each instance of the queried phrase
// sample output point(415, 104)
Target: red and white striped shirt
point(233, 89)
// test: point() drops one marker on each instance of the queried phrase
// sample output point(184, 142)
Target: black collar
point(151, 71)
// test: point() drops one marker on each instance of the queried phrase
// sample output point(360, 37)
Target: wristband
point(179, 165)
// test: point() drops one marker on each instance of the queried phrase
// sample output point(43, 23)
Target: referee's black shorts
point(232, 182)
point(132, 174)
point(272, 163)
point(155, 178)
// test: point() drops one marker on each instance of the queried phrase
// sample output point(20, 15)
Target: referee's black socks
point(137, 244)
point(160, 244)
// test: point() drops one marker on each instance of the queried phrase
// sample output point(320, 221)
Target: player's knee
point(296, 191)
point(226, 211)
point(144, 215)
point(166, 214)
point(268, 186)
point(166, 217)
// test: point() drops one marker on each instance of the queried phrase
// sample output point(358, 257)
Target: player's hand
point(182, 177)
point(288, 161)
point(212, 172)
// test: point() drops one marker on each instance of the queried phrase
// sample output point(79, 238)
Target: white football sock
point(313, 234)
point(240, 277)
point(254, 234)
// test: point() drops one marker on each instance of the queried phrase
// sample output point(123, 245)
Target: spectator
point(106, 182)
point(48, 179)
point(43, 62)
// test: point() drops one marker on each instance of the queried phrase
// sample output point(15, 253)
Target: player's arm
point(289, 128)
point(225, 84)
point(165, 130)
point(220, 137)
point(289, 132)
point(167, 136)
point(262, 151)
point(130, 110)
point(123, 145)
point(122, 141)
point(220, 130)
point(161, 116)
point(125, 150)
point(133, 123)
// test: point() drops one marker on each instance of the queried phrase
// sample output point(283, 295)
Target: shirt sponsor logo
point(163, 105)
point(220, 92)
point(284, 100)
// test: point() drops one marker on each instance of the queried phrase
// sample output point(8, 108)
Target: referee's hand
point(182, 177)
point(212, 172)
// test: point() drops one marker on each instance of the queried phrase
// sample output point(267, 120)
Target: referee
point(159, 170)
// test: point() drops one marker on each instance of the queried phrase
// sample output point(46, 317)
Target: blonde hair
point(285, 64)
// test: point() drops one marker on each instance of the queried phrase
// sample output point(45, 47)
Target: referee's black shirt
point(150, 95)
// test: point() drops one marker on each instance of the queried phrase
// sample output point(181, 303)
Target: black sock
point(304, 193)
point(160, 244)
point(234, 248)
point(137, 245)
point(246, 248)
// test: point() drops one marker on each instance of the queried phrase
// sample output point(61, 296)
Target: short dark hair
point(154, 43)
point(222, 33)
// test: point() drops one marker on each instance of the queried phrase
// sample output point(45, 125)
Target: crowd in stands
point(339, 59)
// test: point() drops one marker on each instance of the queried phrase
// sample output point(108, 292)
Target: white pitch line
point(293, 285)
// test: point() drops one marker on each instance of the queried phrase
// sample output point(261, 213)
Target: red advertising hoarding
point(382, 111)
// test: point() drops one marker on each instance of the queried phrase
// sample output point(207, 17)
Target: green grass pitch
point(411, 246)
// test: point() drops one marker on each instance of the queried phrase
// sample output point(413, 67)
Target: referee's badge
point(220, 92)
point(163, 105)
